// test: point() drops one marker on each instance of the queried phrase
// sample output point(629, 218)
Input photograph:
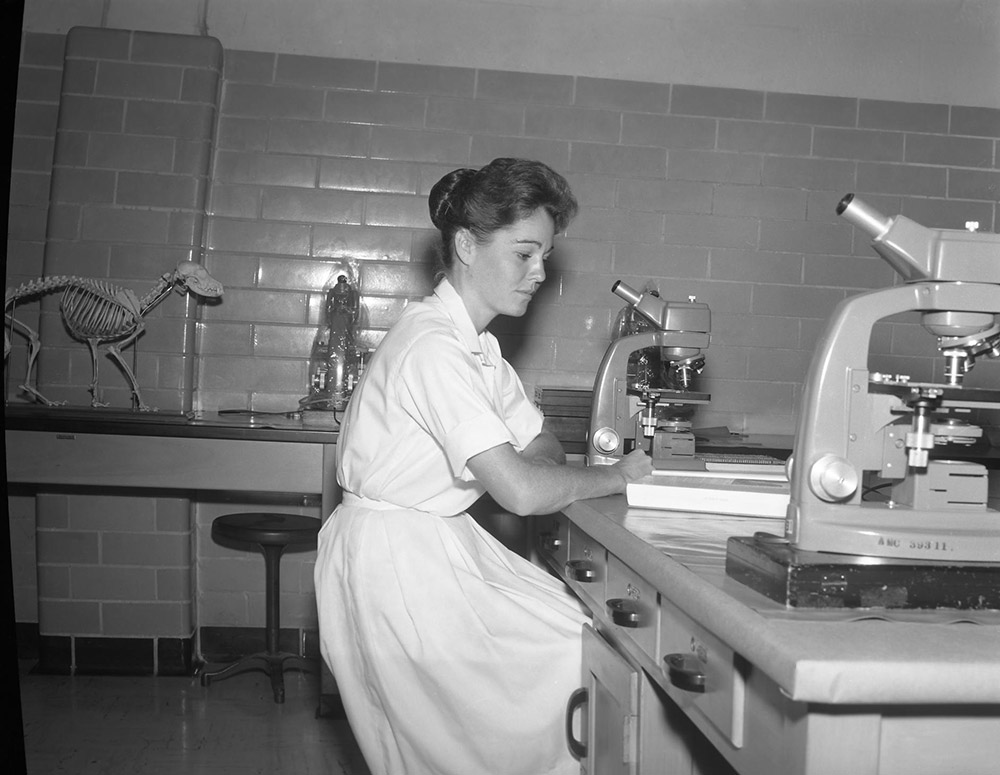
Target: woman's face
point(500, 276)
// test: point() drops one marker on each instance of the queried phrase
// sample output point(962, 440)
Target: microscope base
point(802, 579)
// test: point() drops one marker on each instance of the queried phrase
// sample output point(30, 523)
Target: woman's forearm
point(523, 487)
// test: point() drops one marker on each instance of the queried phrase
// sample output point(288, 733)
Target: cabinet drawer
point(704, 674)
point(587, 568)
point(552, 539)
point(630, 605)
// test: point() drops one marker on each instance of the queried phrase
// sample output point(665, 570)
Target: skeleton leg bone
point(115, 353)
point(94, 392)
point(34, 347)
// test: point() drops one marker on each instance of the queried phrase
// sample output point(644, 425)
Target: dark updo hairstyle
point(498, 195)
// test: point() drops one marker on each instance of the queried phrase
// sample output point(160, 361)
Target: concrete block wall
point(129, 178)
point(21, 521)
point(725, 194)
point(123, 150)
point(39, 82)
point(36, 116)
point(114, 568)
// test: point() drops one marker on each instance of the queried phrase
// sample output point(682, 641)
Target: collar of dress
point(478, 344)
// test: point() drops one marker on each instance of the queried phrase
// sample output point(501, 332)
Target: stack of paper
point(748, 492)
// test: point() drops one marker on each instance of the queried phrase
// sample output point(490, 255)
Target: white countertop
point(838, 656)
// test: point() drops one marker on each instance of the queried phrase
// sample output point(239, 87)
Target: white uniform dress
point(453, 655)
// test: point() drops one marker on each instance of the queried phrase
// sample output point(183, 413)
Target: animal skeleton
point(97, 312)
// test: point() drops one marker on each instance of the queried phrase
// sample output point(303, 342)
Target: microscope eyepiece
point(864, 216)
point(844, 203)
point(631, 295)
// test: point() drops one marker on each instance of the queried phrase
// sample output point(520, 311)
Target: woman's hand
point(635, 465)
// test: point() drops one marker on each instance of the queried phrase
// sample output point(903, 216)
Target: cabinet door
point(631, 726)
point(612, 706)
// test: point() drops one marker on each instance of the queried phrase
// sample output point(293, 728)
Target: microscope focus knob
point(606, 440)
point(833, 478)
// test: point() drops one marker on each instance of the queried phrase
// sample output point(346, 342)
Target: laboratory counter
point(241, 452)
point(228, 424)
point(252, 457)
point(774, 689)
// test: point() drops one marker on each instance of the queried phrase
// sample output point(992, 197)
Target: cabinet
point(687, 672)
point(67, 449)
point(626, 723)
point(630, 728)
point(709, 677)
point(610, 700)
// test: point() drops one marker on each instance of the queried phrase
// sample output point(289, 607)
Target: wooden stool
point(272, 532)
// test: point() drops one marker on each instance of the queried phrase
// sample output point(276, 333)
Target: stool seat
point(272, 533)
point(267, 528)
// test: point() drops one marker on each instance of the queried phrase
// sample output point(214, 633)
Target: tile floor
point(111, 725)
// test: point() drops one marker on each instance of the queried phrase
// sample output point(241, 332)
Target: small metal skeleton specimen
point(97, 312)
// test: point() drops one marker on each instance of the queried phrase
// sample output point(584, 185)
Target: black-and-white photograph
point(503, 387)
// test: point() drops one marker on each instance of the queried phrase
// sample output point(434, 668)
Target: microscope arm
point(824, 463)
point(610, 407)
point(610, 401)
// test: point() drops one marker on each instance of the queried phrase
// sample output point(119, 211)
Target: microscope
point(884, 509)
point(637, 403)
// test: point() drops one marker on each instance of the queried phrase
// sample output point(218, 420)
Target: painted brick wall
point(721, 193)
point(725, 194)
point(129, 178)
point(113, 566)
point(36, 116)
point(21, 520)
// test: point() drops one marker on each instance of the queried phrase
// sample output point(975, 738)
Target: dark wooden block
point(801, 579)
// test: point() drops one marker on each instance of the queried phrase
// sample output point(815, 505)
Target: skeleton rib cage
point(91, 310)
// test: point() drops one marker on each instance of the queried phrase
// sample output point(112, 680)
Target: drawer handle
point(686, 672)
point(576, 701)
point(581, 570)
point(624, 612)
point(550, 542)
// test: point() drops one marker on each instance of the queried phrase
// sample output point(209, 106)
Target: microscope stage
point(953, 395)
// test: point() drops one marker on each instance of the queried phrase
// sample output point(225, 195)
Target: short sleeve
point(452, 397)
point(521, 415)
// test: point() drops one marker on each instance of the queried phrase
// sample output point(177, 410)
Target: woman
point(453, 654)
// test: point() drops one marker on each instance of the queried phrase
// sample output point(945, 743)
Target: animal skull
point(193, 277)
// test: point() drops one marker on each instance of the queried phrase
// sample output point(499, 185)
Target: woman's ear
point(465, 246)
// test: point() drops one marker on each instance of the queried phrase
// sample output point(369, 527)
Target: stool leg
point(249, 662)
point(271, 660)
point(272, 595)
point(272, 620)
